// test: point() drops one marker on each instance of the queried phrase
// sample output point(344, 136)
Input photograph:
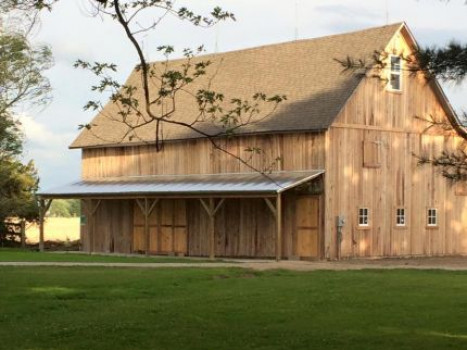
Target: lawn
point(101, 308)
point(14, 255)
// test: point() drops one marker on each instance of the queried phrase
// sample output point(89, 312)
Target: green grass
point(16, 255)
point(101, 308)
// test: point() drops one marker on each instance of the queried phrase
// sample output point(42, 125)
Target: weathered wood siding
point(388, 118)
point(110, 229)
point(297, 151)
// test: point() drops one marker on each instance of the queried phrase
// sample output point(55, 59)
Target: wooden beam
point(271, 206)
point(205, 206)
point(218, 206)
point(279, 227)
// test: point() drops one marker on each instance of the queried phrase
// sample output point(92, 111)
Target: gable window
point(395, 74)
point(400, 217)
point(432, 217)
point(363, 217)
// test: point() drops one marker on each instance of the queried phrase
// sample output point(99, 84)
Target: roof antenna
point(296, 20)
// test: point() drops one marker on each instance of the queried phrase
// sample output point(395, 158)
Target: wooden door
point(173, 231)
point(307, 227)
point(167, 228)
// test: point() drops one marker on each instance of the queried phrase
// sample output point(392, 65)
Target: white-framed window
point(432, 217)
point(400, 217)
point(395, 73)
point(363, 217)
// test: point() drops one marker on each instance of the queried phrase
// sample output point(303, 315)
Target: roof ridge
point(290, 42)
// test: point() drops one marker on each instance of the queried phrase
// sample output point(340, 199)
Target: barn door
point(173, 231)
point(307, 227)
point(167, 228)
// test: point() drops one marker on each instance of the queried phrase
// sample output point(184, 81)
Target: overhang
point(184, 186)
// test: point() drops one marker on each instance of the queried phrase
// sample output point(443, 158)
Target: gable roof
point(305, 71)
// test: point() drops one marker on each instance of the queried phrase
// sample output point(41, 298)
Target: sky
point(73, 33)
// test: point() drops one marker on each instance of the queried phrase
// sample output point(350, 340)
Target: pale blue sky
point(73, 34)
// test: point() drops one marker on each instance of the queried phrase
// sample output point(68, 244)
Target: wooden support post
point(90, 212)
point(44, 206)
point(23, 233)
point(279, 227)
point(147, 209)
point(211, 210)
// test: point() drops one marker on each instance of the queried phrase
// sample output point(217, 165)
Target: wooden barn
point(347, 183)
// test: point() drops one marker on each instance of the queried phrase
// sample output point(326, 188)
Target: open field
point(98, 308)
point(21, 255)
point(56, 229)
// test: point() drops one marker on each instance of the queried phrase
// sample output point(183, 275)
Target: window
point(432, 218)
point(395, 75)
point(400, 217)
point(363, 217)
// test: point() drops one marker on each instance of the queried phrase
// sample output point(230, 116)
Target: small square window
point(432, 217)
point(363, 217)
point(400, 217)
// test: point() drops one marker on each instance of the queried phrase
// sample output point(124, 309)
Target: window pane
point(395, 82)
point(395, 64)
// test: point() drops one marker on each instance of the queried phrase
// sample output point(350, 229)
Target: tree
point(162, 82)
point(65, 208)
point(21, 84)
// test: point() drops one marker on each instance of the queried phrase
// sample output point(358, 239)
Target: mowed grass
point(22, 255)
point(107, 308)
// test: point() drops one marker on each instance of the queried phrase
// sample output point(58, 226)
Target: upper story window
point(432, 217)
point(395, 74)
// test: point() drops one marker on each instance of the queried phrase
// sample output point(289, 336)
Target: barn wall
point(297, 152)
point(244, 228)
point(398, 183)
point(110, 229)
point(386, 121)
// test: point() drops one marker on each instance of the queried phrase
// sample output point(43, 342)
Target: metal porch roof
point(183, 185)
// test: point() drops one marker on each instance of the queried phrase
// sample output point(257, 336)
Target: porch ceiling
point(184, 186)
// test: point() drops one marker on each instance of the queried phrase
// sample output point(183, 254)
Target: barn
point(342, 180)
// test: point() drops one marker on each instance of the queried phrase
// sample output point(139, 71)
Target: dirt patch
point(442, 263)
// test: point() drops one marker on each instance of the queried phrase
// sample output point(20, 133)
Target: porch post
point(146, 225)
point(44, 206)
point(23, 233)
point(278, 227)
point(41, 224)
point(211, 210)
point(90, 212)
point(212, 228)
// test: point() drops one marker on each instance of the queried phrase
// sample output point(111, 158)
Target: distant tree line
point(66, 208)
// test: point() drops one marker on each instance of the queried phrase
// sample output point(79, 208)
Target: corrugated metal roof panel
point(236, 183)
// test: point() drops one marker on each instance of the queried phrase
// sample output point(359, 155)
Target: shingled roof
point(305, 71)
